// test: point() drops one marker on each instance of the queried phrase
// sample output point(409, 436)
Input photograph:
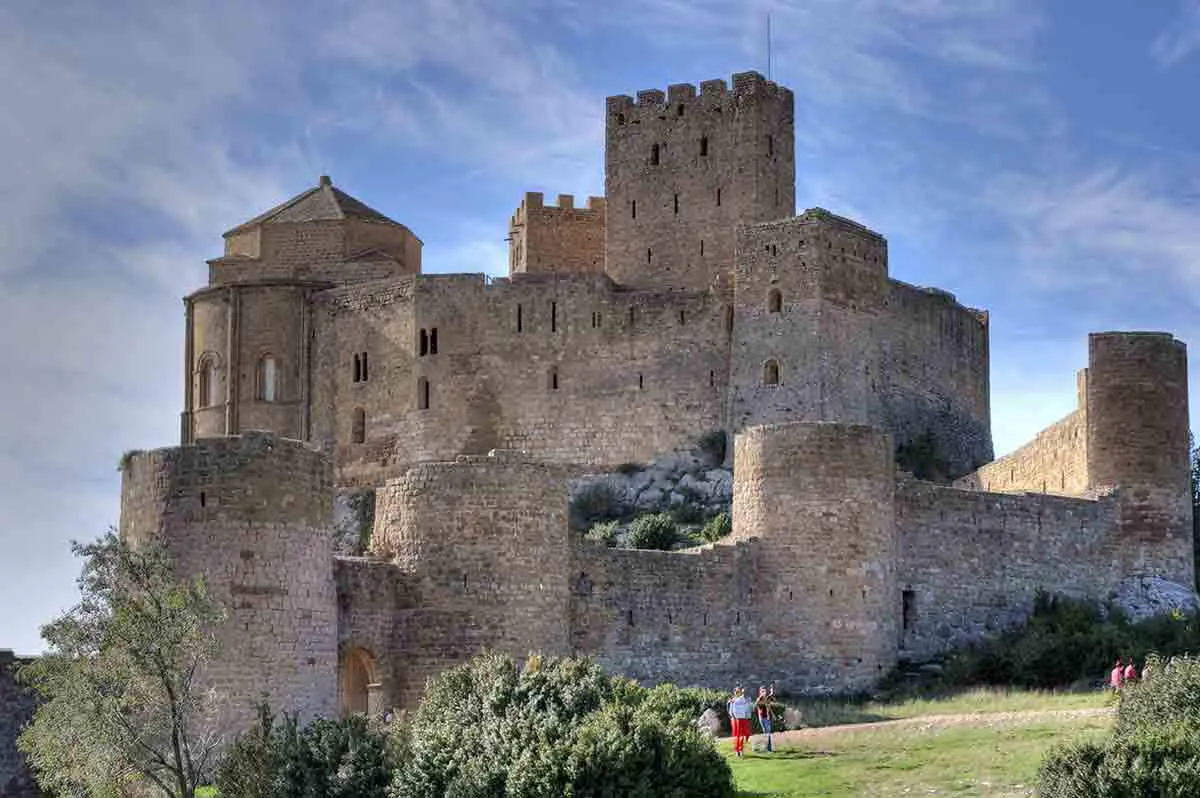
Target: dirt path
point(926, 722)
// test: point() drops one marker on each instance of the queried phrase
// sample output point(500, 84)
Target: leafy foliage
point(596, 501)
point(1066, 641)
point(556, 728)
point(1154, 749)
point(656, 531)
point(718, 526)
point(604, 532)
point(121, 702)
point(713, 444)
point(349, 758)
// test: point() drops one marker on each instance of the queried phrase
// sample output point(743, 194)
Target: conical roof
point(321, 203)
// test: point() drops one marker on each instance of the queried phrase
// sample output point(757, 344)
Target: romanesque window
point(553, 379)
point(908, 615)
point(207, 389)
point(266, 388)
point(654, 155)
point(771, 372)
point(703, 146)
point(358, 430)
point(775, 301)
point(422, 393)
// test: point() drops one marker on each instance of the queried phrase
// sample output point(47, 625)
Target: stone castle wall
point(17, 705)
point(559, 239)
point(252, 515)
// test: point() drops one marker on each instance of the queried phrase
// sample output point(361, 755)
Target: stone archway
point(357, 681)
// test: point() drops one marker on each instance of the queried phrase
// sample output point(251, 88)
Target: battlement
point(535, 201)
point(746, 85)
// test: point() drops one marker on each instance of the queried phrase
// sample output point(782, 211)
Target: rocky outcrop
point(1142, 597)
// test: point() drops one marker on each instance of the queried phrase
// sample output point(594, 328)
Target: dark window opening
point(554, 378)
point(422, 393)
point(518, 318)
point(629, 617)
point(776, 195)
point(364, 366)
point(620, 119)
point(631, 316)
point(357, 369)
point(423, 346)
point(553, 317)
point(774, 301)
point(682, 316)
point(774, 251)
point(641, 382)
point(433, 341)
point(654, 155)
point(202, 499)
point(679, 110)
point(712, 378)
point(770, 144)
point(771, 372)
point(908, 603)
point(718, 198)
point(702, 246)
point(703, 146)
point(676, 204)
point(649, 254)
point(729, 319)
point(633, 207)
point(358, 432)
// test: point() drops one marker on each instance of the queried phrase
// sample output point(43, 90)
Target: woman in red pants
point(740, 709)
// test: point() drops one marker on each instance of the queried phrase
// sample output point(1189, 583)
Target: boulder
point(792, 718)
point(1142, 597)
point(709, 723)
point(649, 499)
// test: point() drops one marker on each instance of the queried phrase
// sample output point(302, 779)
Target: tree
point(121, 705)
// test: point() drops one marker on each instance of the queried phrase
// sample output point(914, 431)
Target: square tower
point(683, 169)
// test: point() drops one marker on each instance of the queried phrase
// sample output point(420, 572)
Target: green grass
point(999, 758)
point(834, 712)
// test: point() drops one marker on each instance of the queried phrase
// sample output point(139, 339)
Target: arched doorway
point(356, 677)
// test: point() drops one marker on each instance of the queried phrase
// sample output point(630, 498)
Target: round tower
point(1137, 441)
point(252, 515)
point(486, 536)
point(819, 499)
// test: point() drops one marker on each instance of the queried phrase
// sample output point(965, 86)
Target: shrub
point(557, 727)
point(713, 444)
point(688, 513)
point(654, 532)
point(349, 758)
point(717, 527)
point(595, 501)
point(604, 532)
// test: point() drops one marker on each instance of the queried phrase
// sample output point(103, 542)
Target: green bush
point(717, 527)
point(604, 532)
point(654, 532)
point(349, 758)
point(596, 501)
point(555, 728)
point(688, 513)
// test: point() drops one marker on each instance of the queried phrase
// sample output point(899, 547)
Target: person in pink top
point(1130, 674)
point(1114, 678)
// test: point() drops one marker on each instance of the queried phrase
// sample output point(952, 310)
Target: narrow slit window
point(641, 382)
point(518, 318)
point(676, 204)
point(908, 603)
point(654, 155)
point(433, 340)
point(703, 146)
point(553, 317)
point(422, 393)
point(718, 198)
point(771, 372)
point(712, 378)
point(208, 383)
point(357, 368)
point(649, 254)
point(364, 366)
point(358, 432)
point(631, 316)
point(682, 316)
point(774, 301)
point(423, 344)
point(553, 378)
point(770, 144)
point(633, 207)
point(702, 246)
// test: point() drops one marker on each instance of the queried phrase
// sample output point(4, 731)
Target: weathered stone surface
point(17, 705)
point(1142, 597)
point(709, 723)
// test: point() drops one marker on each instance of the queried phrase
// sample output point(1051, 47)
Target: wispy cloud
point(1181, 38)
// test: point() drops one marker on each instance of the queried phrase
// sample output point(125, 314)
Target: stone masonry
point(691, 299)
point(16, 709)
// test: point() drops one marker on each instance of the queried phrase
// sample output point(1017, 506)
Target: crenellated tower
point(684, 168)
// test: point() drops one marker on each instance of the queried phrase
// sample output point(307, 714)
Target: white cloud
point(1181, 38)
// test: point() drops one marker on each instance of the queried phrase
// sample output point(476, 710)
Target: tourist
point(1114, 678)
point(763, 705)
point(739, 719)
point(1130, 674)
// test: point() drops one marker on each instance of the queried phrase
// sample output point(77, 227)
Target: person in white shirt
point(740, 709)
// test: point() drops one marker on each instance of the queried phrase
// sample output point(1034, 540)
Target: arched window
point(774, 301)
point(771, 372)
point(422, 393)
point(208, 387)
point(267, 379)
point(358, 432)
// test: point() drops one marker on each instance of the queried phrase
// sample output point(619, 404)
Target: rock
point(688, 484)
point(792, 718)
point(1142, 597)
point(709, 723)
point(720, 484)
point(649, 499)
point(677, 499)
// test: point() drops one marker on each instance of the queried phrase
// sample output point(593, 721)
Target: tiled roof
point(322, 203)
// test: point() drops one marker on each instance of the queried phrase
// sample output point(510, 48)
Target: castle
point(321, 361)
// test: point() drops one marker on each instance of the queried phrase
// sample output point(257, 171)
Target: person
point(1130, 674)
point(763, 706)
point(739, 719)
point(1114, 678)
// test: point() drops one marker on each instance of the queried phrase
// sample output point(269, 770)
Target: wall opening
point(207, 390)
point(553, 381)
point(641, 382)
point(649, 254)
point(771, 372)
point(423, 344)
point(518, 318)
point(203, 499)
point(266, 379)
point(631, 316)
point(553, 317)
point(422, 393)
point(654, 155)
point(770, 145)
point(729, 319)
point(775, 301)
point(702, 246)
point(357, 368)
point(676, 204)
point(718, 198)
point(682, 316)
point(433, 340)
point(358, 432)
point(908, 614)
point(703, 146)
point(356, 676)
point(712, 378)
point(633, 208)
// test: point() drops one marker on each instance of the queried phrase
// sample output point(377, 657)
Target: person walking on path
point(1114, 678)
point(739, 719)
point(763, 707)
point(1130, 674)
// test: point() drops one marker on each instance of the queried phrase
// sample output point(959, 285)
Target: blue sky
point(1039, 159)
